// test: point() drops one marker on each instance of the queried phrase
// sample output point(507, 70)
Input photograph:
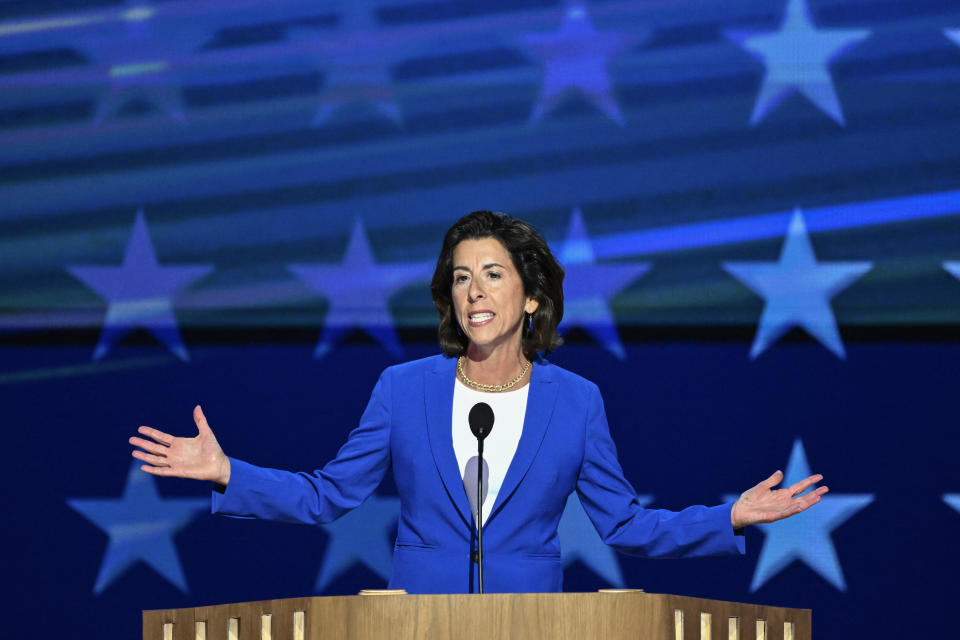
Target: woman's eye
point(494, 275)
point(459, 279)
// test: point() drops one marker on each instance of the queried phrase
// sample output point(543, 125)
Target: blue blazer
point(565, 446)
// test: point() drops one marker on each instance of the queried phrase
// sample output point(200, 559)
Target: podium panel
point(507, 616)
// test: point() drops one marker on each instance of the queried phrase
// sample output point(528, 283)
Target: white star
point(797, 290)
point(141, 526)
point(796, 58)
point(362, 535)
point(358, 291)
point(588, 287)
point(576, 58)
point(140, 292)
point(805, 536)
point(579, 540)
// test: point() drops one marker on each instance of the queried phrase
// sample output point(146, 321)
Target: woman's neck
point(494, 367)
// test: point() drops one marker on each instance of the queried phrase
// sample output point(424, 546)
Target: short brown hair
point(540, 273)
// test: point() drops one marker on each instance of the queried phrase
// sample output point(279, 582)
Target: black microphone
point(481, 424)
point(481, 421)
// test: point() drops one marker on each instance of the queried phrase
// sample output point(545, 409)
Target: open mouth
point(480, 319)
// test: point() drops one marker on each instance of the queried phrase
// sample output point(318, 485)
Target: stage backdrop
point(239, 204)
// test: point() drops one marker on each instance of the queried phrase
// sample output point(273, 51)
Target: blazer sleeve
point(324, 494)
point(611, 504)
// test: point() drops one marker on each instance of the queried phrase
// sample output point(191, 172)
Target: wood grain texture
point(182, 619)
point(526, 616)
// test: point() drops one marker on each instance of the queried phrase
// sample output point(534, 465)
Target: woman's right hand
point(200, 457)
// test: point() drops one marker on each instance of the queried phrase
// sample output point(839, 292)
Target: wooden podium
point(632, 615)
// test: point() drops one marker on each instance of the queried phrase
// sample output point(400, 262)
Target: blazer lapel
point(438, 394)
point(540, 403)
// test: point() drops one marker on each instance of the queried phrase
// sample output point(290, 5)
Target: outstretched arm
point(763, 503)
point(199, 457)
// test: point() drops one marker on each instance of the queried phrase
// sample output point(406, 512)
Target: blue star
point(139, 55)
point(953, 34)
point(140, 292)
point(355, 64)
point(796, 58)
point(576, 58)
point(579, 541)
point(141, 526)
point(797, 290)
point(358, 290)
point(952, 499)
point(588, 287)
point(806, 536)
point(953, 268)
point(362, 535)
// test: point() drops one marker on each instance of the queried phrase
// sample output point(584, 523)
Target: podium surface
point(529, 616)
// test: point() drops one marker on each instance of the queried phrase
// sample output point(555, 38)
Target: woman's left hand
point(763, 503)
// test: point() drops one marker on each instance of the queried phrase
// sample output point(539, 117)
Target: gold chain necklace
point(494, 388)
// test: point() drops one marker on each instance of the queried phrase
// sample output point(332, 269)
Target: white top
point(499, 446)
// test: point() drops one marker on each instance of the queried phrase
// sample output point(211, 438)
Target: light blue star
point(953, 268)
point(953, 34)
point(952, 499)
point(796, 58)
point(140, 55)
point(588, 287)
point(797, 290)
point(358, 291)
point(806, 536)
point(141, 526)
point(576, 58)
point(579, 540)
point(362, 535)
point(140, 292)
point(355, 63)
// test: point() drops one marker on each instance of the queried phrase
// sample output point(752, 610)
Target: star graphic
point(588, 287)
point(141, 526)
point(579, 540)
point(140, 55)
point(576, 58)
point(355, 63)
point(797, 290)
point(953, 268)
point(362, 535)
point(140, 292)
point(806, 536)
point(953, 34)
point(358, 290)
point(796, 58)
point(952, 499)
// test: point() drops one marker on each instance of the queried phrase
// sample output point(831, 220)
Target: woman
point(498, 291)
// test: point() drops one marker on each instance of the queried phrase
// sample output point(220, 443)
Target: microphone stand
point(480, 511)
point(481, 422)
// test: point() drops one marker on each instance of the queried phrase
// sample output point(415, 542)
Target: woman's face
point(488, 298)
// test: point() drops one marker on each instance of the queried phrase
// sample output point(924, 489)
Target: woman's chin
point(487, 343)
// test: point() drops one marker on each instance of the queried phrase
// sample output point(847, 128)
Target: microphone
point(481, 424)
point(481, 421)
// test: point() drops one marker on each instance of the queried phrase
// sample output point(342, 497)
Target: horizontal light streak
point(138, 68)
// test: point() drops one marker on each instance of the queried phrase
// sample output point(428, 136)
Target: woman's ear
point(532, 305)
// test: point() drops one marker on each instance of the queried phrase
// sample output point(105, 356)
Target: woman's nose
point(476, 291)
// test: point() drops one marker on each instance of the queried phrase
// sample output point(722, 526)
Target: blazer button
point(475, 556)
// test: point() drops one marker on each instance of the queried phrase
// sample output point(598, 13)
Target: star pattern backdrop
point(240, 204)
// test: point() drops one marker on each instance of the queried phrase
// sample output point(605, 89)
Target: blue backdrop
point(239, 204)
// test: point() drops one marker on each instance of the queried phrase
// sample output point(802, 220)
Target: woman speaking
point(498, 291)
